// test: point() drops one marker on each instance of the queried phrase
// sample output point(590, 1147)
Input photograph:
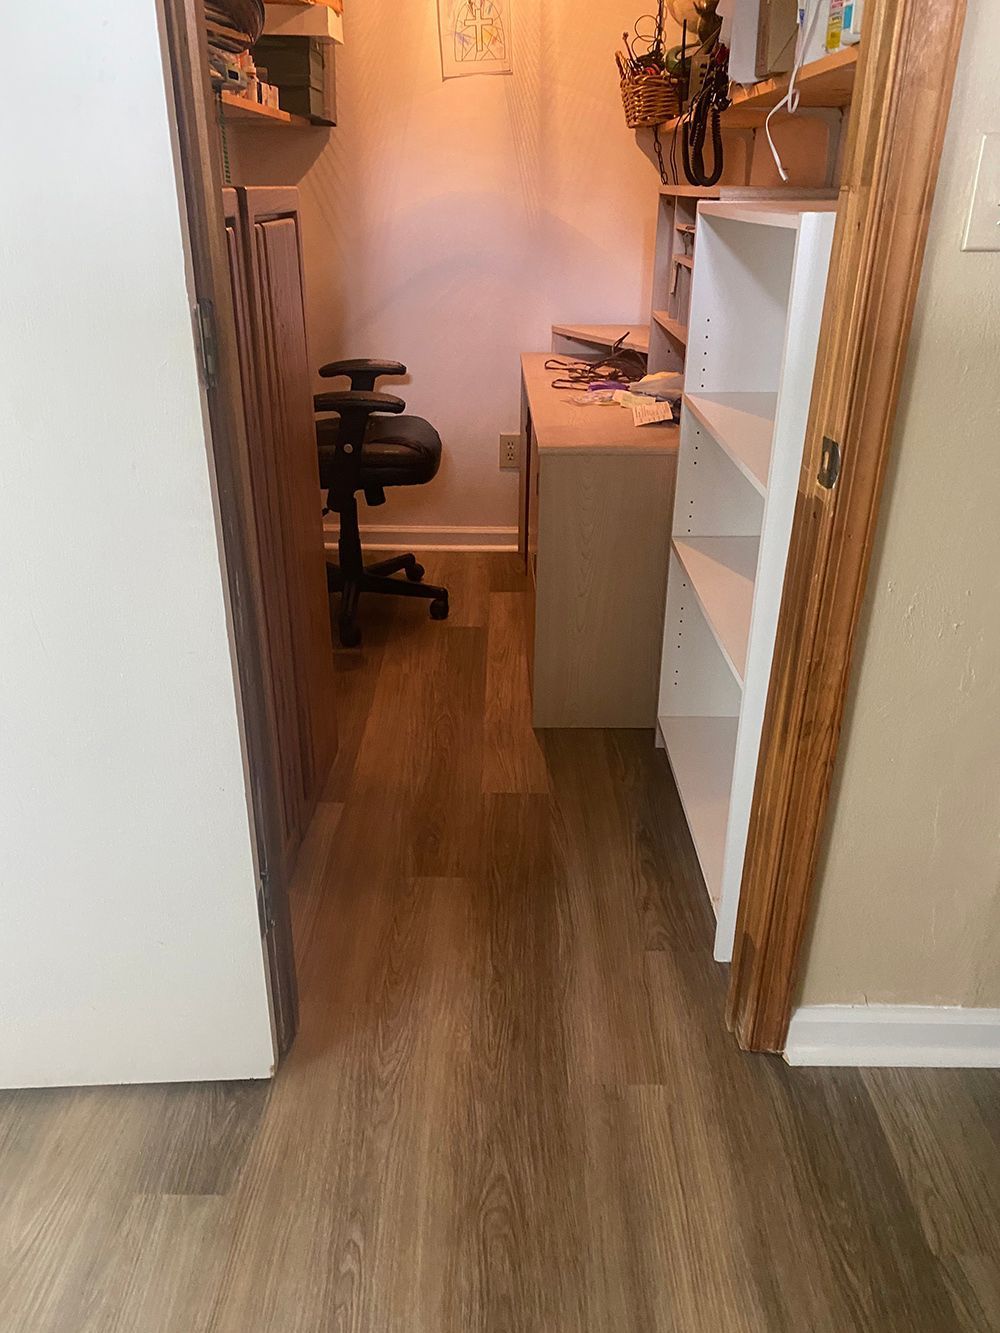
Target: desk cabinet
point(597, 495)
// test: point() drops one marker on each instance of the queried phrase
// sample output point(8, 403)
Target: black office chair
point(366, 447)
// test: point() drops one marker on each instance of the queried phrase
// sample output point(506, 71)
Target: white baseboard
point(384, 538)
point(894, 1036)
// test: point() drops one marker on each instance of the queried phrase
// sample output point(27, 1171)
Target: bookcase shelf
point(722, 572)
point(743, 425)
point(702, 754)
point(674, 327)
point(752, 337)
point(676, 254)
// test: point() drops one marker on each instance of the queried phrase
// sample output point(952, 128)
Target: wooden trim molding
point(900, 111)
point(894, 1036)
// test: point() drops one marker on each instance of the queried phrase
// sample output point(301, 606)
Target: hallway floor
point(513, 1106)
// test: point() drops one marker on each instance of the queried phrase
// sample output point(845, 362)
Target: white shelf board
point(767, 213)
point(722, 572)
point(743, 425)
point(702, 752)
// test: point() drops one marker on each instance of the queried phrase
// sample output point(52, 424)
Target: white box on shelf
point(305, 20)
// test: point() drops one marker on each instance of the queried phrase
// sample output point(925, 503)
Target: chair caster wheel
point(350, 634)
point(439, 608)
point(415, 573)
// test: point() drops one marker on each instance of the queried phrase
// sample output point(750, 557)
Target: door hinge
point(264, 903)
point(829, 463)
point(208, 342)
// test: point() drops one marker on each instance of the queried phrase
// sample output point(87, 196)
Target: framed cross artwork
point(475, 37)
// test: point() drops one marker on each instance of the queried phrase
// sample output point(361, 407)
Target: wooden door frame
point(900, 110)
point(186, 54)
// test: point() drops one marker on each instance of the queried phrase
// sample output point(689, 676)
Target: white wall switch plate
point(982, 231)
point(510, 453)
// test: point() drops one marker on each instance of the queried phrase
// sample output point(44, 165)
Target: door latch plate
point(829, 463)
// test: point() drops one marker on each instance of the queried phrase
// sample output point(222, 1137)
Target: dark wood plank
point(512, 758)
point(201, 1137)
point(933, 1118)
point(517, 1247)
point(611, 1027)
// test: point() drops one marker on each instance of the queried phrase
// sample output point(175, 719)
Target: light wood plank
point(672, 326)
point(602, 572)
point(827, 82)
point(562, 426)
point(605, 335)
point(241, 111)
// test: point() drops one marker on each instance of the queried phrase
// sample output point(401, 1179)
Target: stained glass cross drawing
point(475, 37)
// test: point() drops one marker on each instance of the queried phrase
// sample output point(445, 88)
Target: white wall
point(908, 906)
point(450, 224)
point(129, 943)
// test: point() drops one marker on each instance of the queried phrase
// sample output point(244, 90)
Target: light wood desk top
point(563, 427)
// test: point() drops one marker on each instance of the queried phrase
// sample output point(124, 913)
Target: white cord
point(791, 97)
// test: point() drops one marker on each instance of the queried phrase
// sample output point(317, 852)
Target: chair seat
point(398, 451)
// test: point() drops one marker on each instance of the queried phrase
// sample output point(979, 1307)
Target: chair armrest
point(355, 411)
point(362, 372)
point(353, 400)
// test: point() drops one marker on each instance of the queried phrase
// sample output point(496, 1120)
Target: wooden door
point(264, 467)
point(281, 464)
point(288, 426)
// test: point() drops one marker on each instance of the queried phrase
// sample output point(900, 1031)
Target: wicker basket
point(649, 99)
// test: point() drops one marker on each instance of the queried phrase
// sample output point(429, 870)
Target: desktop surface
point(562, 426)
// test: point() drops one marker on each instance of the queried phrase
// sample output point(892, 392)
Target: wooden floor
point(513, 1105)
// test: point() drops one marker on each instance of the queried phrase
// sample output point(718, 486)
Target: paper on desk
point(650, 412)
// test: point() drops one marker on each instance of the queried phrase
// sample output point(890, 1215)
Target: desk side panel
point(603, 553)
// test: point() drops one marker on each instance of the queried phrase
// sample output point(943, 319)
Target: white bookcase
point(756, 306)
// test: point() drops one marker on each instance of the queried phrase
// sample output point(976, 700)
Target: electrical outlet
point(510, 453)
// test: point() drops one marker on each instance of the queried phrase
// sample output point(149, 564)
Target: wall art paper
point(475, 37)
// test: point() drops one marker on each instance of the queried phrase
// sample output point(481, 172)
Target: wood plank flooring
point(513, 1106)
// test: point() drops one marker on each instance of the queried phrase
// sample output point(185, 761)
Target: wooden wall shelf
point(822, 83)
point(336, 5)
point(604, 335)
point(239, 111)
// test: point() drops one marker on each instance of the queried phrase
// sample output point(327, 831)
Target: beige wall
point(909, 889)
point(450, 224)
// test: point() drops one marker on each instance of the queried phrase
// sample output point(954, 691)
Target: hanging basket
point(649, 99)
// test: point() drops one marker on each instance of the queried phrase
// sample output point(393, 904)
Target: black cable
point(704, 110)
point(621, 365)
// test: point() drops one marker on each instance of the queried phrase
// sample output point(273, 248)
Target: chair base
point(378, 578)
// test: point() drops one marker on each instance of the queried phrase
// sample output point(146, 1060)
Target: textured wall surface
point(450, 224)
point(909, 892)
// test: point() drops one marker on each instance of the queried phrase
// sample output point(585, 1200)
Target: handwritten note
point(650, 412)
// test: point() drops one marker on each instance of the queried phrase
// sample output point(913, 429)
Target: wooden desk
point(597, 497)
